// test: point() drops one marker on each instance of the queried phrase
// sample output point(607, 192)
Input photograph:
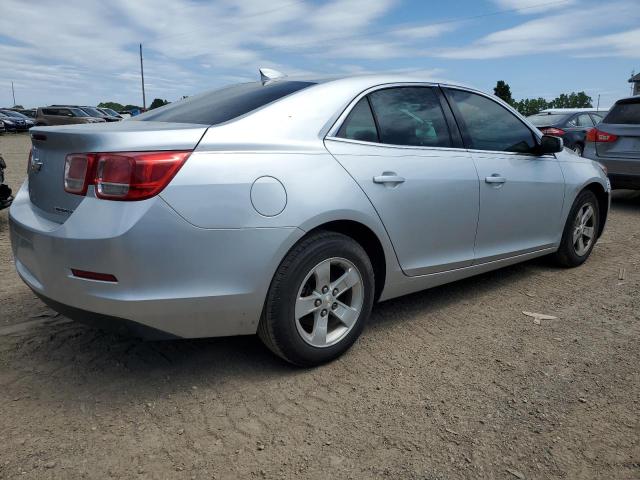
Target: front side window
point(410, 116)
point(490, 126)
point(359, 124)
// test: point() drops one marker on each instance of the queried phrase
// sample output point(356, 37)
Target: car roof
point(572, 110)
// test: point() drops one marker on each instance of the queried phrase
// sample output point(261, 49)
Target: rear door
point(401, 145)
point(621, 152)
point(521, 192)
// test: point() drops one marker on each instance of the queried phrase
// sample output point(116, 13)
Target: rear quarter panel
point(213, 191)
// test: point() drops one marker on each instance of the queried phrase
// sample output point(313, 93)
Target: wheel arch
point(368, 240)
point(603, 203)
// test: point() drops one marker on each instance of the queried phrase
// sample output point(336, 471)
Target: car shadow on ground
point(73, 351)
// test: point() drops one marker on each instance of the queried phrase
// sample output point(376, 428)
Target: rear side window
point(490, 126)
point(626, 112)
point(410, 116)
point(596, 118)
point(223, 105)
point(359, 124)
point(584, 120)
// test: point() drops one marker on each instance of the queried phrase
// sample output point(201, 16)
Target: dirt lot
point(449, 383)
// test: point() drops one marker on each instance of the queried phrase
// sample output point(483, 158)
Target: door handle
point(388, 177)
point(495, 178)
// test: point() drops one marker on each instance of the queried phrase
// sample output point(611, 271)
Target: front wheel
point(580, 232)
point(319, 300)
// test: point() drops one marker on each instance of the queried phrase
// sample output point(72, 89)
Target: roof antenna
point(269, 74)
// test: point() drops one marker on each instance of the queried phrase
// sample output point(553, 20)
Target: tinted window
point(547, 119)
point(49, 111)
point(597, 118)
point(584, 120)
point(627, 112)
point(489, 126)
point(223, 105)
point(410, 116)
point(92, 112)
point(359, 124)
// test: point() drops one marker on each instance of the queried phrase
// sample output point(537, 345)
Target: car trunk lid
point(50, 145)
point(626, 145)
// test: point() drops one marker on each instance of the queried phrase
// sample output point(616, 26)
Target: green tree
point(130, 107)
point(157, 102)
point(503, 90)
point(573, 100)
point(19, 106)
point(530, 106)
point(112, 105)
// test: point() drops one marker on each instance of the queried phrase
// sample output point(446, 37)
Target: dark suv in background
point(571, 125)
point(615, 142)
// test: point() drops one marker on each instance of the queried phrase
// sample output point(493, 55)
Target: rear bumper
point(619, 180)
point(174, 279)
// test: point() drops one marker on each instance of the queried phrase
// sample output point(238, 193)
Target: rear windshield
point(626, 112)
point(546, 119)
point(223, 105)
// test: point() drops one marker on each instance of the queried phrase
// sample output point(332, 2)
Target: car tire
point(583, 219)
point(337, 314)
point(579, 149)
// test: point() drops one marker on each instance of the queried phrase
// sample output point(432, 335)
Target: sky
point(86, 51)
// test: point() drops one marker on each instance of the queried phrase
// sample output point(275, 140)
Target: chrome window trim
point(391, 145)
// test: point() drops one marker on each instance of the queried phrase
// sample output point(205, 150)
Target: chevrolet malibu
point(288, 207)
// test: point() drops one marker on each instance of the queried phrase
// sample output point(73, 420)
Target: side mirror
point(550, 144)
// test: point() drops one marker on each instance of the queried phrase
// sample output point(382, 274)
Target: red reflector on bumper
point(103, 277)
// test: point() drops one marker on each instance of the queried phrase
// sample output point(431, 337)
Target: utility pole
point(13, 92)
point(144, 98)
point(598, 106)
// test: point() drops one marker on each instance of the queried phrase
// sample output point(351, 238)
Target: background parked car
point(111, 113)
point(615, 143)
point(570, 124)
point(2, 129)
point(125, 114)
point(23, 122)
point(10, 123)
point(63, 116)
point(28, 112)
point(92, 112)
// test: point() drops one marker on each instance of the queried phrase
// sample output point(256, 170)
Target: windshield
point(546, 119)
point(625, 112)
point(78, 113)
point(110, 112)
point(222, 105)
point(10, 113)
point(93, 112)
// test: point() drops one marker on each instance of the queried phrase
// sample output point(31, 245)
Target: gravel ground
point(454, 382)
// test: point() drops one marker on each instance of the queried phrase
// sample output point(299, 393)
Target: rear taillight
point(122, 176)
point(556, 132)
point(77, 172)
point(595, 135)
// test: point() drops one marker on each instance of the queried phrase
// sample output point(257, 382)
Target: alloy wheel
point(584, 229)
point(329, 302)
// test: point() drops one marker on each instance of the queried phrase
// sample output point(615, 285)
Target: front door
point(397, 144)
point(521, 192)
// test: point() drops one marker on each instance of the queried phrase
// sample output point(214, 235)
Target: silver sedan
point(288, 207)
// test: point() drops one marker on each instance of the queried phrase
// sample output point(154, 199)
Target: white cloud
point(571, 32)
point(529, 7)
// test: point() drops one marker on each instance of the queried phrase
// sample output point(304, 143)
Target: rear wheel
point(319, 300)
point(579, 149)
point(580, 232)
